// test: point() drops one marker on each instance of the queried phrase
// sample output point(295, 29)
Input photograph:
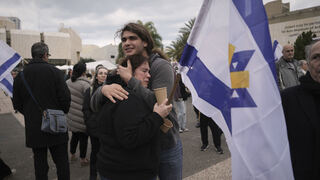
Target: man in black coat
point(301, 105)
point(50, 90)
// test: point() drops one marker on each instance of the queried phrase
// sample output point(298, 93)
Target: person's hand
point(114, 91)
point(163, 109)
point(125, 72)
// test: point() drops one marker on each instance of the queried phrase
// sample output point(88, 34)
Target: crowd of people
point(119, 112)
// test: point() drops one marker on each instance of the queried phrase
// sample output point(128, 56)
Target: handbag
point(53, 121)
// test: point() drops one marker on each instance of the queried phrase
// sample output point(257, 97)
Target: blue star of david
point(214, 91)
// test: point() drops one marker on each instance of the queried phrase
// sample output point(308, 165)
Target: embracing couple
point(132, 145)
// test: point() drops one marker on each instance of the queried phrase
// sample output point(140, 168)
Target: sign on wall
point(287, 32)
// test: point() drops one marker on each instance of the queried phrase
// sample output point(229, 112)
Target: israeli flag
point(9, 59)
point(228, 65)
point(277, 50)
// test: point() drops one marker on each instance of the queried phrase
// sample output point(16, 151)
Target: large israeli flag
point(228, 65)
point(9, 59)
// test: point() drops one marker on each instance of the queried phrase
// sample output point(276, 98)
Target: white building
point(108, 52)
point(64, 46)
point(285, 25)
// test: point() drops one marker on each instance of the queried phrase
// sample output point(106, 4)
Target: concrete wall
point(62, 45)
point(75, 44)
point(59, 45)
point(3, 34)
point(276, 7)
point(22, 40)
point(7, 23)
point(103, 53)
point(287, 32)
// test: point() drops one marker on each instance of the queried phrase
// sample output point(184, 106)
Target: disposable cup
point(161, 94)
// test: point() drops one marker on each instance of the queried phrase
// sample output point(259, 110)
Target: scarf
point(310, 85)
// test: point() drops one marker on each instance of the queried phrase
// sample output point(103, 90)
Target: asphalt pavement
point(196, 164)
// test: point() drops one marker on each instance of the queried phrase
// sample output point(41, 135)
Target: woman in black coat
point(130, 132)
point(91, 120)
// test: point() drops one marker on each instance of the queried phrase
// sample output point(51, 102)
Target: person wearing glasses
point(287, 69)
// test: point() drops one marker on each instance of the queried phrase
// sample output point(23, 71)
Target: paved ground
point(196, 165)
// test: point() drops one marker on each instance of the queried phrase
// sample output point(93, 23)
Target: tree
point(154, 34)
point(120, 53)
point(175, 49)
point(304, 39)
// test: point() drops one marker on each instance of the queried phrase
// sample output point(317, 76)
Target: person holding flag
point(228, 65)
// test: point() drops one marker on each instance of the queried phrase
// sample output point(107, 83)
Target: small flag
point(228, 65)
point(9, 59)
point(277, 50)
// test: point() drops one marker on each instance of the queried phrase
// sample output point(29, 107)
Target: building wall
point(59, 45)
point(16, 22)
point(3, 34)
point(276, 7)
point(64, 47)
point(286, 26)
point(287, 32)
point(7, 23)
point(75, 44)
point(22, 40)
point(108, 52)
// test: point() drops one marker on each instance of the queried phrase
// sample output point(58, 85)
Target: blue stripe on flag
point(254, 14)
point(208, 86)
point(7, 84)
point(275, 44)
point(4, 67)
point(189, 55)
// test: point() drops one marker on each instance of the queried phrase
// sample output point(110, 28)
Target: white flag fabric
point(228, 65)
point(277, 50)
point(9, 59)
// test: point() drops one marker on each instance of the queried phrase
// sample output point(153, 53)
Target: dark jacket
point(129, 140)
point(50, 90)
point(90, 117)
point(181, 92)
point(162, 75)
point(301, 109)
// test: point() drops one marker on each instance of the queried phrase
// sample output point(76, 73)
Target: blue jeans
point(171, 163)
point(180, 106)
